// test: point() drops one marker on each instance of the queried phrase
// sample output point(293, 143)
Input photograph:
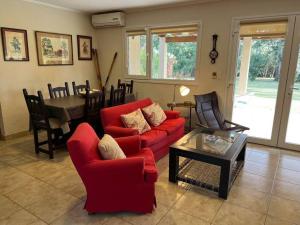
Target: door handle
point(293, 88)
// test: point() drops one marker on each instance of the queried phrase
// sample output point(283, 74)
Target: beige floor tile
point(175, 217)
point(288, 176)
point(257, 182)
point(260, 169)
point(287, 154)
point(31, 193)
point(7, 207)
point(290, 164)
point(79, 216)
point(249, 198)
point(263, 149)
point(68, 180)
point(12, 179)
point(234, 215)
point(168, 193)
point(53, 206)
point(41, 169)
point(286, 190)
point(146, 219)
point(199, 204)
point(284, 209)
point(39, 222)
point(115, 221)
point(20, 217)
point(275, 221)
point(263, 158)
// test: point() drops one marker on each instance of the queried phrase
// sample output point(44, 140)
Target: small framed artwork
point(15, 44)
point(84, 45)
point(54, 49)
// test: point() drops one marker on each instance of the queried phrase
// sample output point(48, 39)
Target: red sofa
point(158, 138)
point(114, 185)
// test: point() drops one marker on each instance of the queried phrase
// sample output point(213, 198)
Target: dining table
point(72, 107)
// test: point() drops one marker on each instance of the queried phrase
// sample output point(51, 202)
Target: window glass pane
point(174, 53)
point(137, 57)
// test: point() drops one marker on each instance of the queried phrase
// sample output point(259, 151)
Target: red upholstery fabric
point(114, 185)
point(171, 125)
point(152, 136)
point(172, 114)
point(158, 139)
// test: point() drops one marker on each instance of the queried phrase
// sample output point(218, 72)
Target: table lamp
point(183, 90)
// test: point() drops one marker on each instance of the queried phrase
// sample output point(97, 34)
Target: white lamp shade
point(184, 91)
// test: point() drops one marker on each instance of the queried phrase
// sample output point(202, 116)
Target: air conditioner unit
point(108, 19)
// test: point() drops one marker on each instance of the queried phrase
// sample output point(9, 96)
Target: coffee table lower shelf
point(186, 166)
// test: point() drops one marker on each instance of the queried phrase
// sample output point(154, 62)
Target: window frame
point(148, 77)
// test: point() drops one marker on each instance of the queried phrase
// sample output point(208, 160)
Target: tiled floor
point(35, 190)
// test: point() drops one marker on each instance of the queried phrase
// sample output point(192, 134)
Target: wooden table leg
point(224, 180)
point(173, 166)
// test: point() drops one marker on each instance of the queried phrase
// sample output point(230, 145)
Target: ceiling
point(93, 6)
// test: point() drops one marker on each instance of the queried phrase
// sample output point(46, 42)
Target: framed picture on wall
point(84, 45)
point(54, 49)
point(15, 44)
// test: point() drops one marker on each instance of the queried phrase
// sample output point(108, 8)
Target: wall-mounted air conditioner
point(108, 19)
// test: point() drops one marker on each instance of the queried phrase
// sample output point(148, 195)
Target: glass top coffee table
point(212, 159)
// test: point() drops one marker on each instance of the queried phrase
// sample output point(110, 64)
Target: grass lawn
point(268, 89)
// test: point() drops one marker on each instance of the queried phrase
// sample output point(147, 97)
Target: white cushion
point(109, 148)
point(136, 120)
point(154, 114)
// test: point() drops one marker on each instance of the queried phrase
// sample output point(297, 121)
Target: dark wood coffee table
point(195, 147)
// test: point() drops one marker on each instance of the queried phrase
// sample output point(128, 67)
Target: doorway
point(265, 87)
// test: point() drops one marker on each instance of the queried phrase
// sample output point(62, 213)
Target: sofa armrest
point(172, 114)
point(130, 145)
point(129, 170)
point(115, 131)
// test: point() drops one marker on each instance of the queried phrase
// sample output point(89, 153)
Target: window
point(173, 53)
point(137, 55)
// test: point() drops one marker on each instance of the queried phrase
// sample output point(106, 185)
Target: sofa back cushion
point(136, 120)
point(112, 115)
point(154, 114)
point(109, 148)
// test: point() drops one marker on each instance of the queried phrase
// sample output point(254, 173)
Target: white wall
point(216, 17)
point(14, 76)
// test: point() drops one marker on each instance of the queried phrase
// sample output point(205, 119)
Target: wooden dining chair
point(128, 86)
point(80, 87)
point(117, 96)
point(59, 92)
point(210, 116)
point(40, 121)
point(94, 102)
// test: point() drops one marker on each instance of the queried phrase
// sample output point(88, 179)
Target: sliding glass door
point(265, 89)
point(289, 132)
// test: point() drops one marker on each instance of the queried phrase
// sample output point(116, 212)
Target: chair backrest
point(208, 112)
point(117, 96)
point(83, 146)
point(128, 86)
point(94, 102)
point(80, 87)
point(36, 108)
point(59, 92)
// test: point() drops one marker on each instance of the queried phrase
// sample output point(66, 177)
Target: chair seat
point(171, 125)
point(152, 137)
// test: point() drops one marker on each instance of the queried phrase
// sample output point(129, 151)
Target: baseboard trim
point(13, 136)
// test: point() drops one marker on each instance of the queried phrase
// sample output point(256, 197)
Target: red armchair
point(114, 185)
point(158, 138)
